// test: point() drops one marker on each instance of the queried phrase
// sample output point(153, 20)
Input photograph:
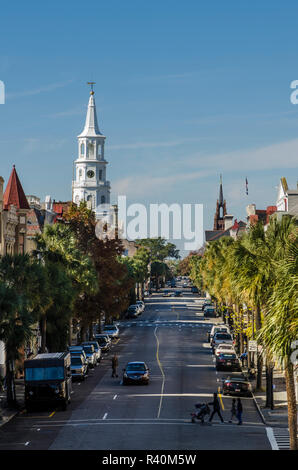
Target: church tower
point(221, 211)
point(89, 183)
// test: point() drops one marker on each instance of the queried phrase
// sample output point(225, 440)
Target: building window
point(103, 200)
point(82, 149)
point(89, 202)
point(100, 175)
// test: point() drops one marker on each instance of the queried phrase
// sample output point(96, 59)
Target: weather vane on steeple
point(91, 84)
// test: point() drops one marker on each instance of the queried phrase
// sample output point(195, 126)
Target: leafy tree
point(159, 248)
point(16, 321)
point(113, 284)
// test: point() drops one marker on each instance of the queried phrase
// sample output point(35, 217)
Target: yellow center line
point(221, 402)
point(162, 372)
point(52, 414)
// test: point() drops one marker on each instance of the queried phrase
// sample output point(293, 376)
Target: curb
point(255, 402)
point(258, 409)
point(5, 420)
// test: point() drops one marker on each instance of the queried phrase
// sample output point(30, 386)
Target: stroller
point(203, 410)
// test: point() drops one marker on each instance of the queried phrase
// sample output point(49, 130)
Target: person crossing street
point(216, 408)
point(233, 410)
point(239, 411)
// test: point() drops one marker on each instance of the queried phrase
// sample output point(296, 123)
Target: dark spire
point(221, 199)
point(219, 223)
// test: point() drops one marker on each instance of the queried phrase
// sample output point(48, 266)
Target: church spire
point(221, 210)
point(220, 192)
point(91, 128)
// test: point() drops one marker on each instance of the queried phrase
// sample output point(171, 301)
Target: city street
point(171, 337)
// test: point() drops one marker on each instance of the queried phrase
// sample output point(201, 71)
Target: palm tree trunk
point(43, 329)
point(10, 384)
point(83, 333)
point(292, 406)
point(259, 356)
point(269, 385)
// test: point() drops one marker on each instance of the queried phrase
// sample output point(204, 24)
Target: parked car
point(220, 338)
point(236, 386)
point(178, 293)
point(97, 349)
point(111, 330)
point(217, 329)
point(78, 367)
point(137, 308)
point(227, 361)
point(141, 304)
point(132, 312)
point(90, 354)
point(194, 290)
point(103, 341)
point(224, 348)
point(78, 350)
point(206, 302)
point(136, 372)
point(209, 311)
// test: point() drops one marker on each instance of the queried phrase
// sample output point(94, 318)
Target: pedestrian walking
point(243, 358)
point(239, 411)
point(216, 408)
point(233, 410)
point(114, 365)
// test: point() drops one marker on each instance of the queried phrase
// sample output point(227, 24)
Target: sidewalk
point(6, 413)
point(278, 417)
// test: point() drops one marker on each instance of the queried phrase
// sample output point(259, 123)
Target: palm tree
point(16, 321)
point(58, 245)
point(280, 327)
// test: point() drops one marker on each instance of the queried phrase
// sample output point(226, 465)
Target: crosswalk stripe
point(279, 438)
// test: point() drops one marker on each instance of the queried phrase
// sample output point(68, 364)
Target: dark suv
point(227, 361)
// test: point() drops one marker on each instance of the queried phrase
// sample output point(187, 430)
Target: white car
point(216, 329)
point(224, 348)
point(138, 308)
point(111, 330)
point(141, 304)
point(221, 337)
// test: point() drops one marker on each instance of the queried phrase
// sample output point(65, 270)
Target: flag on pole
point(246, 186)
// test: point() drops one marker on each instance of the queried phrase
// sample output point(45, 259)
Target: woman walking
point(239, 411)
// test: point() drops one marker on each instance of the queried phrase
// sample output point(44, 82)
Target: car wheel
point(64, 406)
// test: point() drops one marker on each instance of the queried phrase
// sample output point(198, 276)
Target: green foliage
point(159, 248)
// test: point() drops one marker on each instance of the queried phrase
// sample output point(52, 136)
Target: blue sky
point(184, 91)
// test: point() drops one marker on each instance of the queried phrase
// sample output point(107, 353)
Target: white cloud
point(143, 186)
point(280, 155)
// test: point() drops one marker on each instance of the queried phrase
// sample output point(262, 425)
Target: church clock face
point(90, 173)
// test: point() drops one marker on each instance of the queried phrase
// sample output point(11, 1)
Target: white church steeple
point(91, 125)
point(90, 182)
